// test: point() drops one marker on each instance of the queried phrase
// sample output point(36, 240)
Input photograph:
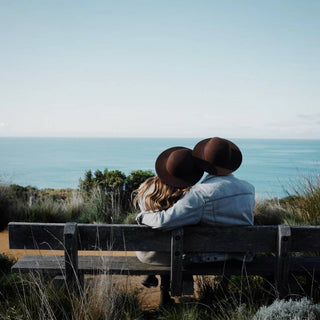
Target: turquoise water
point(270, 165)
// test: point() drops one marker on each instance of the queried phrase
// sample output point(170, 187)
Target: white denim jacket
point(217, 200)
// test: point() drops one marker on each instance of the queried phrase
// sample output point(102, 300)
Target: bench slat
point(88, 264)
point(142, 238)
point(230, 239)
point(23, 235)
point(91, 237)
point(305, 239)
point(263, 266)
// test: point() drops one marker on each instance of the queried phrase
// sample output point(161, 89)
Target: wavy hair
point(157, 195)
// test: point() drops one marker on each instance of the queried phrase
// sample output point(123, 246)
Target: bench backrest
point(72, 237)
point(24, 235)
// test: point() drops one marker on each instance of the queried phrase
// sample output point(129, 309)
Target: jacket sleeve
point(186, 211)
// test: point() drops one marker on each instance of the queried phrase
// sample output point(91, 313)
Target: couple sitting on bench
point(173, 198)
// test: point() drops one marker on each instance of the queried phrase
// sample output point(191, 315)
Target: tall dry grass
point(304, 206)
point(37, 298)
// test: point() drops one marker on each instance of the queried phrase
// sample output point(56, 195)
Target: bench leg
point(165, 299)
point(74, 287)
point(187, 285)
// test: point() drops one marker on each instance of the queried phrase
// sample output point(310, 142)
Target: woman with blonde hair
point(177, 172)
point(154, 195)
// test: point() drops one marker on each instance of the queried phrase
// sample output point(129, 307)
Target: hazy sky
point(165, 68)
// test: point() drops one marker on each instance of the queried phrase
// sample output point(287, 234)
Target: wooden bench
point(184, 244)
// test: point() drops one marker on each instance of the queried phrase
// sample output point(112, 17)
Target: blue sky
point(145, 68)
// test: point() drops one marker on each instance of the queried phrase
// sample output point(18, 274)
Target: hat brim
point(199, 153)
point(166, 177)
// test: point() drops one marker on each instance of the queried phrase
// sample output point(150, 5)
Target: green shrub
point(269, 212)
point(109, 194)
point(130, 218)
point(4, 207)
point(184, 312)
point(46, 210)
point(7, 279)
point(6, 263)
point(136, 178)
point(304, 205)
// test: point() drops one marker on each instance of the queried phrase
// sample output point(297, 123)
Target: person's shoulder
point(243, 183)
point(227, 182)
point(195, 192)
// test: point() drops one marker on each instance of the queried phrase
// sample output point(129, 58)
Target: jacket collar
point(211, 176)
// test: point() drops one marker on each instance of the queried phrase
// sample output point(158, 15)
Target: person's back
point(227, 200)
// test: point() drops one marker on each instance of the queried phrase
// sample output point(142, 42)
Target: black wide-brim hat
point(217, 156)
point(177, 167)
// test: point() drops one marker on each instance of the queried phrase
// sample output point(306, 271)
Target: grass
point(300, 207)
point(29, 204)
point(33, 297)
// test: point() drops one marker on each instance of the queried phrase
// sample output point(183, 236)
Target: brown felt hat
point(217, 156)
point(177, 167)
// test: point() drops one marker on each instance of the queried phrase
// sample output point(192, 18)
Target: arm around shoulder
point(187, 211)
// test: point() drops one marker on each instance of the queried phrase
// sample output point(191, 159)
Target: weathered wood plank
point(230, 239)
point(263, 266)
point(123, 238)
point(88, 265)
point(305, 238)
point(283, 258)
point(176, 262)
point(73, 276)
point(91, 237)
point(142, 238)
point(23, 235)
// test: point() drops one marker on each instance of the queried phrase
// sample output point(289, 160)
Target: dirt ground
point(150, 297)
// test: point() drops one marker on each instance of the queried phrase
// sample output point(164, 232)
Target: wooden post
point(73, 278)
point(283, 259)
point(176, 262)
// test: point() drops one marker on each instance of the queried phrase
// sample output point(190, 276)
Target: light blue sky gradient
point(166, 68)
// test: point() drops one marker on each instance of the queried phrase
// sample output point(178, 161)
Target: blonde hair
point(157, 195)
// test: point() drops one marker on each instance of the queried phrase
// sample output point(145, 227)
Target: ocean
point(274, 167)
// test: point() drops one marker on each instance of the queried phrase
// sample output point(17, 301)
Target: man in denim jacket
point(220, 199)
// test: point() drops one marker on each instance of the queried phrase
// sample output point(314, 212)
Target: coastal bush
point(7, 280)
point(107, 181)
point(286, 310)
point(304, 207)
point(47, 210)
point(22, 193)
point(113, 180)
point(135, 178)
point(234, 297)
point(185, 312)
point(193, 310)
point(95, 208)
point(13, 203)
point(4, 207)
point(269, 212)
point(6, 263)
point(109, 193)
point(130, 218)
point(105, 192)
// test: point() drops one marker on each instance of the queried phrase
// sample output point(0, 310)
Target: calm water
point(270, 165)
